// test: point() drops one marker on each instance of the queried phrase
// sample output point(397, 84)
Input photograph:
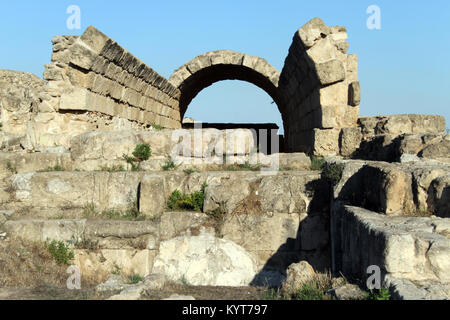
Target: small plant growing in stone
point(142, 152)
point(189, 171)
point(89, 211)
point(314, 289)
point(379, 294)
point(59, 251)
point(317, 163)
point(135, 279)
point(157, 127)
point(189, 202)
point(56, 168)
point(333, 172)
point(169, 165)
point(218, 218)
point(243, 167)
point(11, 167)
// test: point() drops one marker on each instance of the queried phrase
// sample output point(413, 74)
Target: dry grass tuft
point(25, 264)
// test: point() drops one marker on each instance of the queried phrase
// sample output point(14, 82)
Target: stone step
point(271, 241)
point(50, 195)
point(21, 162)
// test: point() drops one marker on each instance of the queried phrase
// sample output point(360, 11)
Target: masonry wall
point(319, 83)
point(93, 73)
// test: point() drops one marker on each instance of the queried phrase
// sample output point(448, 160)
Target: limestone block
point(298, 274)
point(99, 264)
point(63, 230)
point(330, 72)
point(74, 99)
point(399, 253)
point(352, 68)
point(174, 224)
point(216, 58)
point(325, 142)
point(226, 194)
point(322, 51)
point(439, 196)
point(354, 93)
point(334, 95)
point(152, 200)
point(438, 151)
point(249, 61)
point(312, 31)
point(94, 39)
point(263, 232)
point(82, 55)
point(350, 140)
point(205, 260)
point(439, 258)
point(103, 145)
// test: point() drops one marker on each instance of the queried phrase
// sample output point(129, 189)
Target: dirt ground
point(51, 292)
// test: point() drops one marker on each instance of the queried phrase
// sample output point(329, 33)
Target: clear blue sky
point(403, 68)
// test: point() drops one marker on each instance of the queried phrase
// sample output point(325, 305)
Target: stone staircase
point(252, 225)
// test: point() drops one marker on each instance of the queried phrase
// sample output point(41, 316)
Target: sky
point(404, 67)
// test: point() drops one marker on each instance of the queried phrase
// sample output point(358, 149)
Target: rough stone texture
point(391, 147)
point(350, 141)
point(315, 83)
point(113, 284)
point(94, 83)
point(406, 248)
point(104, 77)
point(402, 123)
point(155, 281)
point(297, 275)
point(407, 189)
point(19, 99)
point(348, 292)
point(205, 260)
point(439, 196)
point(402, 289)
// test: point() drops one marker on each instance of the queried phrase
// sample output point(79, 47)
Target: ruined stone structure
point(317, 92)
point(381, 196)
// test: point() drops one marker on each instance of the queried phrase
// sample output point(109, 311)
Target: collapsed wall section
point(319, 83)
point(93, 73)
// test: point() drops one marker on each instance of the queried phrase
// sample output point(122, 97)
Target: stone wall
point(319, 83)
point(416, 251)
point(402, 137)
point(94, 73)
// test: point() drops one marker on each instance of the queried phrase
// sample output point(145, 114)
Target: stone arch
point(208, 68)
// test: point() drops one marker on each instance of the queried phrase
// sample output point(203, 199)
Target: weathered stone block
point(334, 95)
point(330, 72)
point(152, 200)
point(325, 142)
point(94, 39)
point(350, 140)
point(74, 99)
point(354, 93)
